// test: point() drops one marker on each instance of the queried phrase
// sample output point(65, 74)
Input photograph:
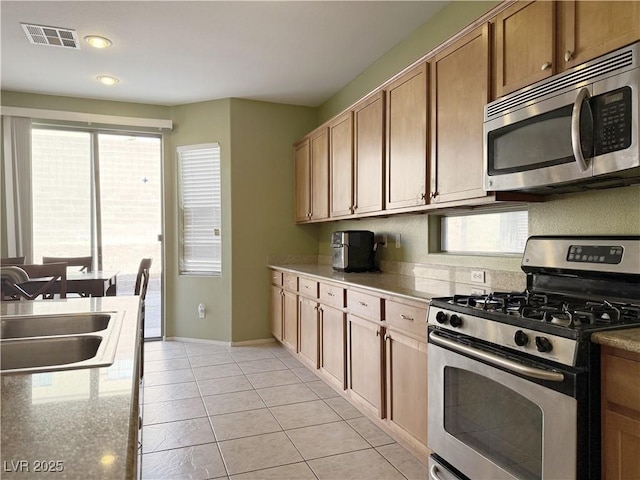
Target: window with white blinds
point(200, 209)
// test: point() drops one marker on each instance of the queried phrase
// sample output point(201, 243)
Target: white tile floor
point(255, 412)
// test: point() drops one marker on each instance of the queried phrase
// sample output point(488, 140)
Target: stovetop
point(561, 311)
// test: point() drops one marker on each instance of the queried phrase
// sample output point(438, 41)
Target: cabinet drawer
point(290, 281)
point(621, 382)
point(332, 295)
point(409, 317)
point(308, 287)
point(276, 278)
point(364, 304)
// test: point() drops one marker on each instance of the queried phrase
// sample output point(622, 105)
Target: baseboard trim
point(197, 340)
point(253, 342)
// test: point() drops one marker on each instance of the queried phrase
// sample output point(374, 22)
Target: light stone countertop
point(627, 339)
point(80, 418)
point(406, 286)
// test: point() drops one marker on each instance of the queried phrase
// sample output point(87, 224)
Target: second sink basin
point(46, 325)
point(45, 352)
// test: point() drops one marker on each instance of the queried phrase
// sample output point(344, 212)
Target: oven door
point(548, 142)
point(490, 423)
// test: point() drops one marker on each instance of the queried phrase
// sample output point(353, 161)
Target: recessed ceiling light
point(98, 41)
point(107, 79)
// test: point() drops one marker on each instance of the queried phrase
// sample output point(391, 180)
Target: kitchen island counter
point(78, 423)
point(626, 339)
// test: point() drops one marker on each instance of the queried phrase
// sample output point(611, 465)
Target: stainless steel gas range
point(514, 378)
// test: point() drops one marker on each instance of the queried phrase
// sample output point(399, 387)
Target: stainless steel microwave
point(573, 131)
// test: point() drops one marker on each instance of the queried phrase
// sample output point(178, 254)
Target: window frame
point(436, 231)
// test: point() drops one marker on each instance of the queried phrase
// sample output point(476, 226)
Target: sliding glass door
point(99, 194)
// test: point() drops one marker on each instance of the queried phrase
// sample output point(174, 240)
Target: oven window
point(495, 421)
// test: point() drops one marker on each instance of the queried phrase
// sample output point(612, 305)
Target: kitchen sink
point(46, 352)
point(44, 343)
point(46, 325)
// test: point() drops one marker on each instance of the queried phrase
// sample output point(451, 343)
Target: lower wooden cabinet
point(290, 320)
point(308, 323)
point(275, 311)
point(370, 346)
point(406, 384)
point(620, 414)
point(364, 352)
point(333, 342)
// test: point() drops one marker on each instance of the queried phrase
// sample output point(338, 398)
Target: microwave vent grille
point(572, 79)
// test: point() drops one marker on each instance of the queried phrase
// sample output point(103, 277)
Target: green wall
point(262, 207)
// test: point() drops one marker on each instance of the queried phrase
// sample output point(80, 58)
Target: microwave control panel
point(612, 119)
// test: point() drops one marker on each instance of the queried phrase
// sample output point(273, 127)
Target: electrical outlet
point(398, 236)
point(478, 276)
point(381, 240)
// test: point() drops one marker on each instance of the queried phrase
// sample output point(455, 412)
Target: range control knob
point(441, 317)
point(543, 344)
point(455, 321)
point(521, 338)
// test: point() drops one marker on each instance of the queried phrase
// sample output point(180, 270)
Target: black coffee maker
point(353, 251)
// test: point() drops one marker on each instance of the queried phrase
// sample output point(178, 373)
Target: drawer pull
point(331, 294)
point(404, 317)
point(363, 304)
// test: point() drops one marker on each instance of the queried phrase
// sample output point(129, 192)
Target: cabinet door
point(593, 28)
point(621, 446)
point(290, 320)
point(333, 344)
point(459, 92)
point(308, 318)
point(341, 156)
point(275, 315)
point(406, 362)
point(525, 45)
point(302, 159)
point(365, 364)
point(406, 166)
point(320, 174)
point(368, 118)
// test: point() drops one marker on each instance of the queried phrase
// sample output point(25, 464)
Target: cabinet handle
point(387, 337)
point(331, 294)
point(546, 66)
point(377, 333)
point(363, 304)
point(433, 194)
point(423, 196)
point(404, 317)
point(568, 55)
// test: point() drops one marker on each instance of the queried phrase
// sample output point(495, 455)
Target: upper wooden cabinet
point(406, 161)
point(368, 121)
point(588, 29)
point(536, 39)
point(341, 160)
point(312, 176)
point(302, 165)
point(525, 45)
point(459, 92)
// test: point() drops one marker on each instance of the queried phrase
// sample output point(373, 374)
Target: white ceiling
point(177, 52)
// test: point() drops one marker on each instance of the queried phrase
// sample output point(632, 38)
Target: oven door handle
point(496, 360)
point(576, 143)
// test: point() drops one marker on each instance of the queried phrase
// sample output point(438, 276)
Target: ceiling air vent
point(51, 36)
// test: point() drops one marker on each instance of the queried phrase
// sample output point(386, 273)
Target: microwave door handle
point(576, 144)
point(492, 359)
